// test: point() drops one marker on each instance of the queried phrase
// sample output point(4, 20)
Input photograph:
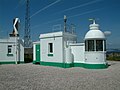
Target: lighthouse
point(61, 49)
point(95, 47)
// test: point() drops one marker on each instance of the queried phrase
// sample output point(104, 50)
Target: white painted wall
point(21, 50)
point(57, 49)
point(95, 57)
point(4, 50)
point(78, 51)
point(68, 55)
point(34, 52)
point(60, 42)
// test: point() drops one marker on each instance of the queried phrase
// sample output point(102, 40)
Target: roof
point(94, 32)
point(56, 34)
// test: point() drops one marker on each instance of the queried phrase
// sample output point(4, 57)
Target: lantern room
point(95, 46)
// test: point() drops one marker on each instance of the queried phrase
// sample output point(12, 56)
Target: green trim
point(51, 64)
point(20, 62)
point(9, 54)
point(11, 62)
point(78, 64)
point(36, 62)
point(95, 66)
point(50, 55)
point(91, 66)
point(66, 65)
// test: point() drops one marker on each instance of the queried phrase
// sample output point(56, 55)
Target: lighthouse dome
point(94, 32)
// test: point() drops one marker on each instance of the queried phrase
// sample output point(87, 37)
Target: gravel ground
point(36, 77)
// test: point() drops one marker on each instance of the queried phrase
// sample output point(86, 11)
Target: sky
point(47, 16)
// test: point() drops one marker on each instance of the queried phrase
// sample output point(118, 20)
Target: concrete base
point(11, 62)
point(91, 66)
point(63, 65)
point(68, 65)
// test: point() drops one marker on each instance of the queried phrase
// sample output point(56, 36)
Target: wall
point(57, 49)
point(95, 57)
point(4, 50)
point(78, 50)
point(11, 58)
point(21, 51)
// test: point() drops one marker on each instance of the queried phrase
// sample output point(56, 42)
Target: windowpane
point(90, 45)
point(104, 45)
point(86, 46)
point(9, 49)
point(99, 45)
point(50, 47)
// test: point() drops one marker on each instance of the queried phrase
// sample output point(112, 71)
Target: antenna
point(92, 20)
point(27, 38)
point(65, 20)
point(73, 28)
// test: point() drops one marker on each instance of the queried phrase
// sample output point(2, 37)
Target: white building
point(12, 48)
point(61, 49)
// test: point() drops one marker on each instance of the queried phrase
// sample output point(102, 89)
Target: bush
point(114, 58)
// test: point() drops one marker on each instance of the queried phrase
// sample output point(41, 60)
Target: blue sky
point(45, 14)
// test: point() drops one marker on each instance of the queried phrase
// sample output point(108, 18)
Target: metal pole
point(65, 20)
point(16, 49)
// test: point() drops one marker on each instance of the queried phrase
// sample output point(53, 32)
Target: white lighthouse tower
point(95, 47)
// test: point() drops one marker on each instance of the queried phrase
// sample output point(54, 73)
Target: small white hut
point(12, 48)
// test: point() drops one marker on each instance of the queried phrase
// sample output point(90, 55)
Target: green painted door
point(38, 53)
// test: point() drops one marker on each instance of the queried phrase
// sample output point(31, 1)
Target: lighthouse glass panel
point(104, 45)
point(86, 45)
point(90, 45)
point(99, 45)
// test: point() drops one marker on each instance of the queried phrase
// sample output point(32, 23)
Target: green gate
point(37, 53)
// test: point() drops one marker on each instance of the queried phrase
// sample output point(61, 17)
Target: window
point(9, 49)
point(50, 48)
point(9, 52)
point(86, 45)
point(90, 45)
point(99, 45)
point(104, 45)
point(95, 45)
